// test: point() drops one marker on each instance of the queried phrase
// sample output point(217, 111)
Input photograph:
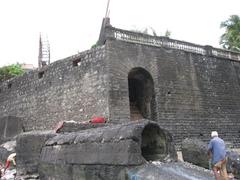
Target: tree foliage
point(10, 71)
point(231, 38)
point(167, 33)
point(151, 31)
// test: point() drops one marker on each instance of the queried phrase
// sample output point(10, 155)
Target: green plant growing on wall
point(151, 31)
point(8, 72)
point(167, 33)
point(94, 46)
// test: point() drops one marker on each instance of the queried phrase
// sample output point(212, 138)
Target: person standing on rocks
point(217, 153)
point(11, 158)
point(1, 169)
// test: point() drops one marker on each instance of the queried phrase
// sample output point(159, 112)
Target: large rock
point(109, 147)
point(29, 146)
point(233, 163)
point(195, 151)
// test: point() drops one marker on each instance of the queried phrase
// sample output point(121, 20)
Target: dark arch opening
point(154, 143)
point(141, 92)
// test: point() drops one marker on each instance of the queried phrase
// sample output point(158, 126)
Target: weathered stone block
point(10, 127)
point(128, 144)
point(99, 172)
point(112, 153)
point(29, 147)
point(55, 171)
point(195, 151)
point(233, 163)
point(81, 172)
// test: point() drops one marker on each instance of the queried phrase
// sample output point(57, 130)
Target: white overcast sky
point(73, 25)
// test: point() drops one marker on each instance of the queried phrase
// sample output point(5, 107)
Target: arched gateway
point(141, 92)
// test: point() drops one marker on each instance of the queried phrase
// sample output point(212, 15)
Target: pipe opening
point(154, 145)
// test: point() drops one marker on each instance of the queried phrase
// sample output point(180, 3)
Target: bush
point(8, 72)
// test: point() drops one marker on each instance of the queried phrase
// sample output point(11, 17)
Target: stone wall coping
point(163, 41)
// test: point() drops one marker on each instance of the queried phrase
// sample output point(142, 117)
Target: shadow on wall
point(10, 127)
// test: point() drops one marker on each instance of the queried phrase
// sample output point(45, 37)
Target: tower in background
point(44, 51)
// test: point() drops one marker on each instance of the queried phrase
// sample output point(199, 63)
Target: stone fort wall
point(70, 89)
point(195, 88)
point(194, 94)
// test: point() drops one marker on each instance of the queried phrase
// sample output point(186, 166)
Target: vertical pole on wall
point(107, 9)
point(40, 51)
point(105, 22)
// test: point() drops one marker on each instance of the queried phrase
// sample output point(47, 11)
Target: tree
point(10, 71)
point(231, 38)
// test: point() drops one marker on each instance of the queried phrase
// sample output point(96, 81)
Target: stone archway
point(141, 91)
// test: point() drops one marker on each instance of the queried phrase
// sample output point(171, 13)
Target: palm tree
point(231, 38)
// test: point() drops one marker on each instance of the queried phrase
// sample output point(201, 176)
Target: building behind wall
point(188, 89)
point(27, 67)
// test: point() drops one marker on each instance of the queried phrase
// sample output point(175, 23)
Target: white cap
point(214, 134)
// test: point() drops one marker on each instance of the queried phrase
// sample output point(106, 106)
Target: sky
point(73, 26)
